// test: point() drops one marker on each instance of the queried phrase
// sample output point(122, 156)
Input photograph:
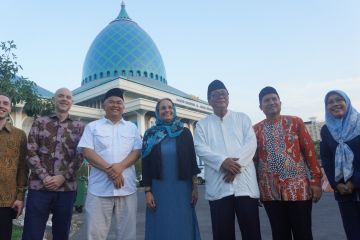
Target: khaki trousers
point(101, 211)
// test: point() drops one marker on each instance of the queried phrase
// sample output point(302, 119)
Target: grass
point(16, 233)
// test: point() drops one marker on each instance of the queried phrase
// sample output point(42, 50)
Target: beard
point(6, 116)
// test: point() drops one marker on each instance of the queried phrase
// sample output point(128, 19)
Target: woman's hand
point(194, 197)
point(344, 189)
point(150, 201)
point(350, 186)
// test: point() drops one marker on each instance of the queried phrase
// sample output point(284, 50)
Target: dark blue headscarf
point(160, 131)
point(342, 130)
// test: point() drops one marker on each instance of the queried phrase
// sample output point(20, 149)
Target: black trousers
point(350, 215)
point(290, 219)
point(223, 218)
point(5, 223)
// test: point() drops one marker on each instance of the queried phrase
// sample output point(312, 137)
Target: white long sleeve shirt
point(217, 139)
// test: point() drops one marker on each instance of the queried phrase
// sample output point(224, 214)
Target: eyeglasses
point(219, 94)
point(336, 100)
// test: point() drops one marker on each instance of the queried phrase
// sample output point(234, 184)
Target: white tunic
point(215, 140)
point(112, 142)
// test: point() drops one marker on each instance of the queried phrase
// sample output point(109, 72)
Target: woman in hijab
point(340, 155)
point(169, 170)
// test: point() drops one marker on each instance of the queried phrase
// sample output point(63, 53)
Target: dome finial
point(123, 14)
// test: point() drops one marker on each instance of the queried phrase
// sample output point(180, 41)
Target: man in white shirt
point(225, 141)
point(111, 145)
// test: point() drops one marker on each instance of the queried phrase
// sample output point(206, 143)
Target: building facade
point(314, 128)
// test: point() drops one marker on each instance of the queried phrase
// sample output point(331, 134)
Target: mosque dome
point(123, 49)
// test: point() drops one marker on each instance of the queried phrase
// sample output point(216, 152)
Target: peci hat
point(215, 85)
point(114, 92)
point(265, 91)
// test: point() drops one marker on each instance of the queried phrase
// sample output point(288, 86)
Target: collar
point(227, 114)
point(53, 115)
point(273, 121)
point(121, 121)
point(8, 127)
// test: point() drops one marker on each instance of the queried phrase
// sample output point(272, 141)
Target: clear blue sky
point(303, 48)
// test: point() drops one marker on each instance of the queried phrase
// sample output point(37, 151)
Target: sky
point(302, 48)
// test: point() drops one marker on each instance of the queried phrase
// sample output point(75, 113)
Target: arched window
point(89, 78)
point(160, 78)
point(138, 73)
point(145, 74)
point(123, 73)
point(131, 73)
point(151, 75)
point(157, 77)
point(108, 73)
point(101, 75)
point(115, 73)
point(94, 76)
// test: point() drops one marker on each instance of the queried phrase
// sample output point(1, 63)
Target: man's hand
point(229, 177)
point(150, 201)
point(118, 181)
point(54, 182)
point(230, 165)
point(316, 192)
point(114, 170)
point(19, 206)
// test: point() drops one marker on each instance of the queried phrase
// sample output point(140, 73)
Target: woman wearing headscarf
point(340, 155)
point(169, 170)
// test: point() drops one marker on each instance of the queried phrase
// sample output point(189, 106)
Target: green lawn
point(16, 233)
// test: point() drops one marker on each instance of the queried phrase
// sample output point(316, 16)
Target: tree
point(19, 88)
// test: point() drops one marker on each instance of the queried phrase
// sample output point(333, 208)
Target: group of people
point(272, 163)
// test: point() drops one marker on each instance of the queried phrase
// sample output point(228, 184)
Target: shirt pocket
point(102, 142)
point(126, 142)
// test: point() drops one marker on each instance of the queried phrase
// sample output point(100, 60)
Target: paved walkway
point(326, 220)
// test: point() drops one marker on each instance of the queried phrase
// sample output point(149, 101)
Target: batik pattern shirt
point(13, 168)
point(52, 150)
point(285, 160)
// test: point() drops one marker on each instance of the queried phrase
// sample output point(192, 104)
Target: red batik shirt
point(285, 160)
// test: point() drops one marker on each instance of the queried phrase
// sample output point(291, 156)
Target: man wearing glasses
point(225, 141)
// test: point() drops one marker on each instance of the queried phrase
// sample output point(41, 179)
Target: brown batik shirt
point(52, 150)
point(13, 168)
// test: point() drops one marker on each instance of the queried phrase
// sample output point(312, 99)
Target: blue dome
point(123, 49)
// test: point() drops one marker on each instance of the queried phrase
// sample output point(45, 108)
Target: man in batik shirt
point(288, 172)
point(54, 160)
point(13, 169)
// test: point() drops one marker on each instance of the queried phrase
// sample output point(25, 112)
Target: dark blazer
point(187, 165)
point(327, 151)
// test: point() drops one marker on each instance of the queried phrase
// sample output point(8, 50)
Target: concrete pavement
point(326, 220)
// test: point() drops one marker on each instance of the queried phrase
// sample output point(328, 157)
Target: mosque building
point(123, 55)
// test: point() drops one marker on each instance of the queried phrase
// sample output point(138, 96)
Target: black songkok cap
point(215, 85)
point(265, 91)
point(114, 92)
